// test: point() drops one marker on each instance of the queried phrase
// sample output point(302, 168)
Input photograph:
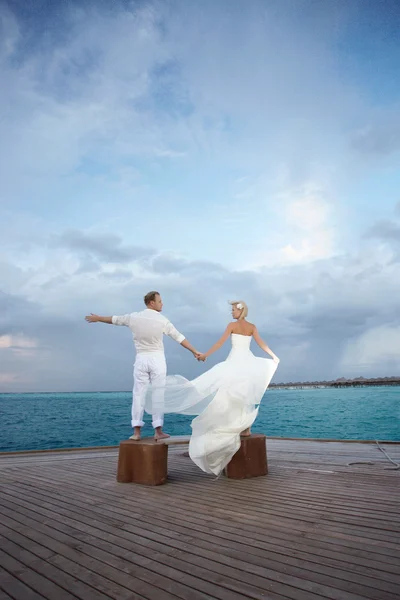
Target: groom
point(148, 328)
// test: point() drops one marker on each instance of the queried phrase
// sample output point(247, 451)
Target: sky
point(214, 151)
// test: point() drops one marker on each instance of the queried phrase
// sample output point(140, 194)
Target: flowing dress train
point(225, 398)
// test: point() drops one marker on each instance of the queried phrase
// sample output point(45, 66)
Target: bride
point(225, 398)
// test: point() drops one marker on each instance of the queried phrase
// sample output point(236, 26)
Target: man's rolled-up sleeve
point(121, 320)
point(173, 333)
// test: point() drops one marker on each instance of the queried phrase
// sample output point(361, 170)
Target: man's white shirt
point(148, 328)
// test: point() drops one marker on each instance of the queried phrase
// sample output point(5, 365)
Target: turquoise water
point(40, 421)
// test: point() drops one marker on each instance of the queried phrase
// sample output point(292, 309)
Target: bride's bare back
point(243, 327)
point(239, 327)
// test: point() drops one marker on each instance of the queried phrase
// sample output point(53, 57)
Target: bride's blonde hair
point(242, 306)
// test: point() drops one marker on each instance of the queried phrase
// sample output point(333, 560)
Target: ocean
point(68, 420)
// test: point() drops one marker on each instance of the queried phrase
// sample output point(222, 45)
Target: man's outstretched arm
point(97, 319)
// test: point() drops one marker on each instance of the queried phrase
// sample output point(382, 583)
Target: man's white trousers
point(149, 367)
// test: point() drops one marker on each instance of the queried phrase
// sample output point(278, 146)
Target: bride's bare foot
point(246, 432)
point(160, 435)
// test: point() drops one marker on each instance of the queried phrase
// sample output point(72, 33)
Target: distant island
point(339, 383)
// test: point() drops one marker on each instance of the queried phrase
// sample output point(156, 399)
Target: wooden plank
point(294, 483)
point(285, 505)
point(270, 439)
point(350, 470)
point(68, 576)
point(304, 534)
point(290, 490)
point(362, 490)
point(338, 488)
point(16, 564)
point(149, 506)
point(176, 440)
point(202, 578)
point(118, 523)
point(371, 534)
point(172, 441)
point(385, 591)
point(165, 574)
point(277, 537)
point(10, 584)
point(50, 451)
point(191, 527)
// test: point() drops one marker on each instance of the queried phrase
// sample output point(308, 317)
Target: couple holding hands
point(225, 398)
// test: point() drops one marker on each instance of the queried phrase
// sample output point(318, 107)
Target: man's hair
point(150, 297)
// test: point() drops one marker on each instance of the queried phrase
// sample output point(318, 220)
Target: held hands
point(200, 356)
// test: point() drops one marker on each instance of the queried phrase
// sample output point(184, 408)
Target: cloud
point(75, 103)
point(386, 231)
point(380, 139)
point(105, 247)
point(16, 342)
point(376, 350)
point(315, 315)
point(306, 231)
point(145, 147)
point(307, 213)
point(8, 378)
point(15, 309)
point(167, 264)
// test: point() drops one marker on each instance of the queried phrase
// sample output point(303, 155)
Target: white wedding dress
point(226, 400)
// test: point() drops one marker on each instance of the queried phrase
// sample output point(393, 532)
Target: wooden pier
point(315, 527)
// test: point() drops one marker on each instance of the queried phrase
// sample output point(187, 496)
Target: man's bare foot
point(246, 432)
point(136, 434)
point(160, 435)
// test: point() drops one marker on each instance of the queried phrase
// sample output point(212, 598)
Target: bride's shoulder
point(251, 328)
